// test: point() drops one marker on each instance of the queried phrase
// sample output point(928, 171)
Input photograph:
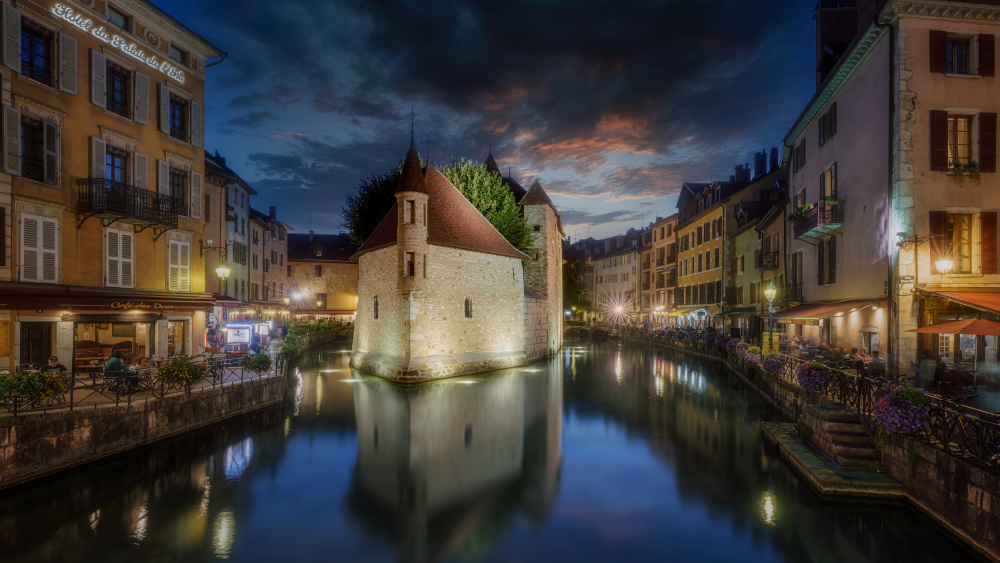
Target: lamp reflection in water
point(768, 508)
point(618, 367)
point(444, 461)
point(223, 534)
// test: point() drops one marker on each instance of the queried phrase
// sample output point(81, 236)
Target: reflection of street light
point(769, 293)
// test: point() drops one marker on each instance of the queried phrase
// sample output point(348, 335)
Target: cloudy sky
point(609, 104)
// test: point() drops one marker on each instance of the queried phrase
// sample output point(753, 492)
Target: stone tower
point(411, 239)
point(543, 272)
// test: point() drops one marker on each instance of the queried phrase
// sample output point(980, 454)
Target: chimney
point(774, 159)
point(743, 173)
point(272, 211)
point(310, 235)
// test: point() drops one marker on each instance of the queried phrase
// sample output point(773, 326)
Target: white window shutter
point(114, 262)
point(162, 177)
point(174, 266)
point(126, 257)
point(98, 158)
point(185, 267)
point(195, 195)
point(98, 79)
point(67, 64)
point(51, 145)
point(164, 108)
point(12, 37)
point(141, 171)
point(50, 250)
point(141, 112)
point(29, 248)
point(12, 140)
point(196, 124)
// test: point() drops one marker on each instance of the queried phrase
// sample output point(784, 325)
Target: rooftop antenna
point(412, 116)
point(491, 149)
point(428, 141)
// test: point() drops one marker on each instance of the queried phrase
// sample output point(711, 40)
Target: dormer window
point(318, 252)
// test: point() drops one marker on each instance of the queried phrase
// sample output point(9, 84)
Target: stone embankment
point(939, 472)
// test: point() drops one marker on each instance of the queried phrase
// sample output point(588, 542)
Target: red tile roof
point(451, 219)
point(536, 196)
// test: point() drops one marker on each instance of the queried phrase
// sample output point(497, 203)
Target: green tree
point(375, 196)
point(485, 190)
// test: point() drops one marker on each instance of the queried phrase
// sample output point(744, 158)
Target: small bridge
point(594, 333)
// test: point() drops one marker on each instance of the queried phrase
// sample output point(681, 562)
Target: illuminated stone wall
point(385, 335)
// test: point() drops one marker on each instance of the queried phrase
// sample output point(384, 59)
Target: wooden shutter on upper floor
point(939, 140)
point(162, 177)
point(173, 265)
point(98, 79)
point(113, 253)
point(832, 259)
point(141, 172)
point(50, 143)
point(939, 51)
point(939, 236)
point(820, 263)
point(988, 238)
point(822, 129)
point(29, 248)
point(164, 108)
point(987, 54)
point(988, 142)
point(49, 250)
point(195, 208)
point(12, 37)
point(141, 110)
point(126, 258)
point(67, 64)
point(98, 158)
point(12, 140)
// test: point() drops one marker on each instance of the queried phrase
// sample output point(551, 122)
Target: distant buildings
point(322, 276)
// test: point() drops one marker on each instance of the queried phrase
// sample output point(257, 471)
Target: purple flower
point(903, 411)
point(773, 362)
point(812, 377)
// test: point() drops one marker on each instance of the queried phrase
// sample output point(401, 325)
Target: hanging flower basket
point(902, 411)
point(813, 377)
point(773, 363)
point(752, 356)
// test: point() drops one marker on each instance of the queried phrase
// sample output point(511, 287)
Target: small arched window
point(468, 307)
point(375, 308)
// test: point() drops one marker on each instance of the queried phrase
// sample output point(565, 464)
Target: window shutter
point(164, 109)
point(173, 266)
point(939, 236)
point(820, 263)
point(987, 54)
point(939, 51)
point(67, 64)
point(141, 110)
point(162, 177)
point(98, 79)
point(988, 142)
point(795, 268)
point(3, 236)
point(832, 259)
point(51, 145)
point(126, 256)
point(114, 263)
point(196, 124)
point(50, 251)
point(29, 248)
point(988, 237)
point(12, 37)
point(822, 129)
point(98, 158)
point(833, 180)
point(195, 195)
point(822, 185)
point(185, 267)
point(12, 140)
point(141, 170)
point(833, 119)
point(939, 140)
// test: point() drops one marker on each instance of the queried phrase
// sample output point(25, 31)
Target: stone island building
point(461, 300)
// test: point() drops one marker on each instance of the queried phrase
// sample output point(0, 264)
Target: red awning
point(825, 310)
point(980, 299)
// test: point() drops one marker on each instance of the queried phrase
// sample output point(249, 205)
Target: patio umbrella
point(975, 327)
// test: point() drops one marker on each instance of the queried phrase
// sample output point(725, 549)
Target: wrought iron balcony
point(645, 265)
point(106, 198)
point(659, 262)
point(791, 292)
point(820, 219)
point(767, 260)
point(180, 133)
point(39, 73)
point(660, 284)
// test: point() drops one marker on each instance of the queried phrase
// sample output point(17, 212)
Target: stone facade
point(543, 273)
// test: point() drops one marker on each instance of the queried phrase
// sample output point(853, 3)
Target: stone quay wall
point(36, 445)
point(961, 497)
point(536, 327)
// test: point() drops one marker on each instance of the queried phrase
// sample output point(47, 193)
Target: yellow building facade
point(102, 173)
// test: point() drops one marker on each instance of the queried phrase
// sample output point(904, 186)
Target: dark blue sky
point(611, 105)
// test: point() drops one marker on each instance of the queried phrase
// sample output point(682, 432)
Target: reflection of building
point(101, 185)
point(323, 279)
point(448, 463)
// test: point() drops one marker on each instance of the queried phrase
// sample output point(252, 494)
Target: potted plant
point(801, 210)
point(901, 411)
point(257, 364)
point(178, 370)
point(813, 377)
point(773, 363)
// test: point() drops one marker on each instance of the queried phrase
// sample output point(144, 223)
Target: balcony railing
point(102, 196)
point(179, 133)
point(671, 258)
point(39, 73)
point(791, 292)
point(820, 219)
point(767, 260)
point(32, 168)
point(645, 286)
point(645, 265)
point(659, 262)
point(660, 284)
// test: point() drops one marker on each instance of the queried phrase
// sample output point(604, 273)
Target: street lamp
point(287, 300)
point(944, 265)
point(222, 270)
point(769, 293)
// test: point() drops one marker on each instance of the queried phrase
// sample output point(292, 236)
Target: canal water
point(603, 453)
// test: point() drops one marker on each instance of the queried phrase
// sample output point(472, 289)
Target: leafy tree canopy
point(375, 196)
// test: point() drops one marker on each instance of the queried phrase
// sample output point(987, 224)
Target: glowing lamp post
point(944, 265)
point(222, 270)
point(769, 293)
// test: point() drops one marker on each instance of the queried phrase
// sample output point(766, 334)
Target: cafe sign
point(142, 305)
point(118, 42)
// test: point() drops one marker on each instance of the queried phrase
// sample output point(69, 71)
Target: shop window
point(36, 343)
point(176, 334)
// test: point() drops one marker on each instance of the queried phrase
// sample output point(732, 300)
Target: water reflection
point(449, 465)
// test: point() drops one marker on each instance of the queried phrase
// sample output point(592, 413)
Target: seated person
point(114, 365)
point(864, 355)
point(53, 365)
point(876, 365)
